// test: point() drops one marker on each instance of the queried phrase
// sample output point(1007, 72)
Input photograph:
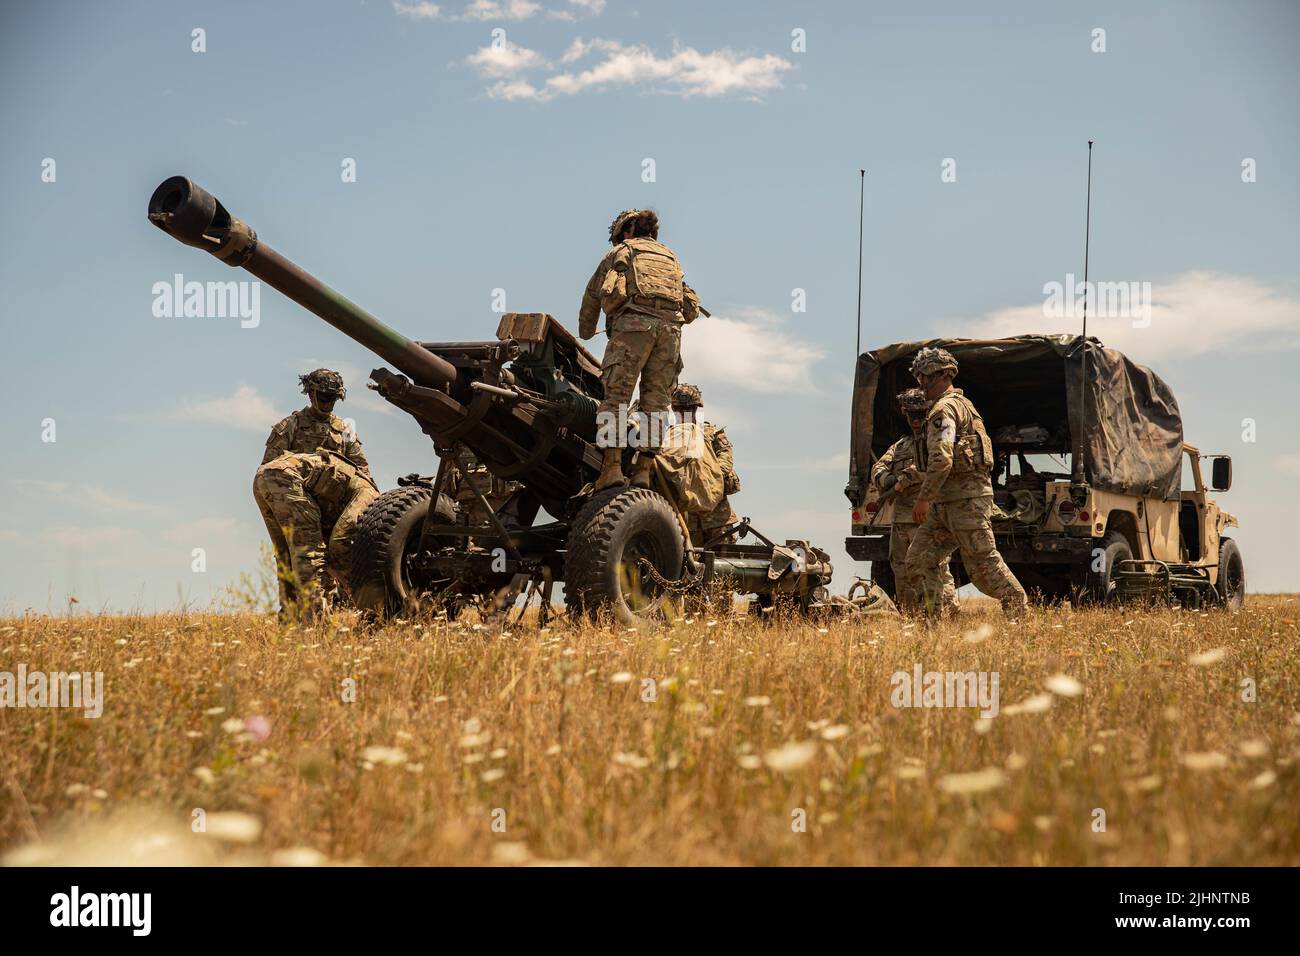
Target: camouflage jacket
point(956, 451)
point(901, 462)
point(613, 288)
point(716, 436)
point(305, 431)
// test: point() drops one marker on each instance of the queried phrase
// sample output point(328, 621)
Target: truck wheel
point(1099, 588)
point(387, 534)
point(607, 542)
point(1232, 575)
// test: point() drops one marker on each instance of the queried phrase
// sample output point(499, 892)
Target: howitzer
point(524, 405)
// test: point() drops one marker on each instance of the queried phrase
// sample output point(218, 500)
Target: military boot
point(645, 464)
point(611, 469)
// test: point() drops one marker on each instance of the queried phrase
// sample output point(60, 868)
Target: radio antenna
point(1087, 237)
point(862, 186)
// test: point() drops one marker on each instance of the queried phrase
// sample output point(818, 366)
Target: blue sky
point(482, 168)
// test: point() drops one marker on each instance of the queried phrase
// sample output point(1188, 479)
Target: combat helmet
point(616, 227)
point(323, 380)
point(932, 361)
point(913, 402)
point(649, 226)
point(687, 396)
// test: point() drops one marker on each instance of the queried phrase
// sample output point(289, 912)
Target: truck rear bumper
point(1018, 549)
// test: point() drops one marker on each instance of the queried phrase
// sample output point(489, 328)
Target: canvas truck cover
point(1127, 416)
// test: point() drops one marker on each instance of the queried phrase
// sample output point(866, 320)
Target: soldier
point(897, 471)
point(955, 501)
point(311, 504)
point(316, 426)
point(308, 431)
point(687, 401)
point(640, 286)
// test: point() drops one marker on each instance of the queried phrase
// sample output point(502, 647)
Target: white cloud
point(686, 72)
point(88, 497)
point(479, 11)
point(1196, 313)
point(1288, 464)
point(500, 10)
point(104, 536)
point(417, 11)
point(579, 48)
point(245, 408)
point(504, 59)
point(751, 351)
point(205, 532)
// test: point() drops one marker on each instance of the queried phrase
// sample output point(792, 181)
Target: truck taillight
point(857, 517)
point(1083, 516)
point(1066, 509)
point(873, 507)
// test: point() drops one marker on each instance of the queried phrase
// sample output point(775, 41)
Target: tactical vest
point(905, 456)
point(311, 432)
point(655, 278)
point(972, 451)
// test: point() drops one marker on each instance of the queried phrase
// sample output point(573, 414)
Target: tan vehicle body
point(1063, 532)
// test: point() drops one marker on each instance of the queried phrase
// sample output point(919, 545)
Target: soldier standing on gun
point(954, 505)
point(641, 289)
point(898, 471)
point(687, 402)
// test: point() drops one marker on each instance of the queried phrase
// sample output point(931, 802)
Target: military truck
point(1099, 498)
point(524, 406)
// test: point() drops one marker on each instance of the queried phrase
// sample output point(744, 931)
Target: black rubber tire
point(615, 524)
point(1098, 587)
point(1232, 575)
point(388, 531)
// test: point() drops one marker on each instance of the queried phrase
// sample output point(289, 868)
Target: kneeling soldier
point(311, 504)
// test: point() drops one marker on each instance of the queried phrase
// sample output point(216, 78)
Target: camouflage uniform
point(703, 525)
point(958, 456)
point(640, 286)
point(307, 430)
point(311, 504)
point(900, 462)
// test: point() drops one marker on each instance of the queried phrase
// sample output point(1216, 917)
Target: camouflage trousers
point(963, 525)
point(909, 593)
point(309, 536)
point(701, 526)
point(644, 348)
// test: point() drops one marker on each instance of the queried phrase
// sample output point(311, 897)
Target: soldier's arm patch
point(945, 429)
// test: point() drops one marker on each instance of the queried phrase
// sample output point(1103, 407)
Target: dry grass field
point(469, 745)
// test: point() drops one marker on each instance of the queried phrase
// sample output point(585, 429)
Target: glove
point(887, 482)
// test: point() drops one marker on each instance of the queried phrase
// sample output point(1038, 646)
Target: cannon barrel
point(189, 213)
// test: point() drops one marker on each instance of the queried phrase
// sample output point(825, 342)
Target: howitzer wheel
point(612, 533)
point(387, 534)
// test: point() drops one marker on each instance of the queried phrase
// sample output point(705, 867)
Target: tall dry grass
point(469, 746)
